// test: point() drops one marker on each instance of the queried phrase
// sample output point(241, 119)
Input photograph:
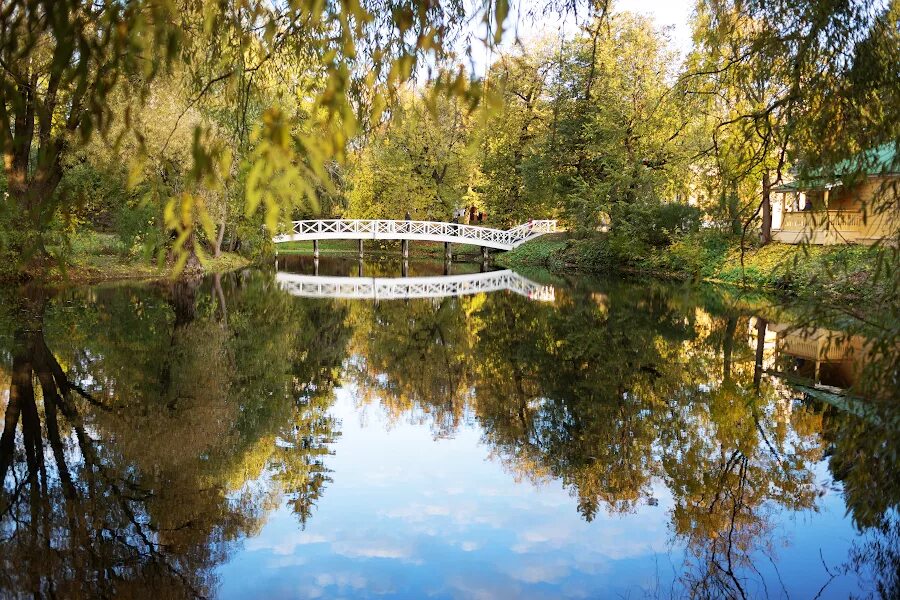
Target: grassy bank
point(845, 271)
point(94, 257)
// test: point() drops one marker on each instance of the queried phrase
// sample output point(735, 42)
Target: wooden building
point(856, 203)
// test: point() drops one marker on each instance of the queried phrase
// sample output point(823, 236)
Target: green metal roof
point(880, 160)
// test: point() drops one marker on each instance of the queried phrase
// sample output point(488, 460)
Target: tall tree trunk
point(221, 235)
point(217, 252)
point(766, 231)
point(192, 268)
point(734, 212)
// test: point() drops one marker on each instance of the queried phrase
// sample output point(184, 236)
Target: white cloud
point(394, 549)
point(538, 571)
point(286, 542)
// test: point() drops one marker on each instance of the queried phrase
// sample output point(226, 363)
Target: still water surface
point(227, 439)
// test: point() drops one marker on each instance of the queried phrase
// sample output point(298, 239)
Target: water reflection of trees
point(610, 392)
point(414, 358)
point(135, 420)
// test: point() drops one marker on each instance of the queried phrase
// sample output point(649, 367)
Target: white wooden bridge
point(430, 231)
point(394, 288)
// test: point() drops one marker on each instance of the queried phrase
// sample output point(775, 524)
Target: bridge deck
point(431, 231)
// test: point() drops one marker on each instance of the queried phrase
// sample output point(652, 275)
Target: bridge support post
point(404, 268)
point(315, 248)
point(316, 266)
point(404, 248)
point(447, 253)
point(360, 249)
point(485, 254)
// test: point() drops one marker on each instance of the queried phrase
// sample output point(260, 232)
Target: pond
point(242, 436)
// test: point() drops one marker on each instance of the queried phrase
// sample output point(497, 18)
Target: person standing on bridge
point(472, 215)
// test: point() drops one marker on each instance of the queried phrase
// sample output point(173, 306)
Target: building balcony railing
point(841, 220)
point(819, 345)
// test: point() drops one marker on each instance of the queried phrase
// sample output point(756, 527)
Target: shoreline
point(825, 274)
point(113, 272)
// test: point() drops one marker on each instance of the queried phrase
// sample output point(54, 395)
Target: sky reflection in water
point(412, 516)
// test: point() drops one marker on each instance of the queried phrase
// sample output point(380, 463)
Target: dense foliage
point(196, 127)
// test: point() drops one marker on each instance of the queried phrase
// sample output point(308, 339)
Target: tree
point(421, 161)
point(513, 135)
point(60, 63)
point(615, 135)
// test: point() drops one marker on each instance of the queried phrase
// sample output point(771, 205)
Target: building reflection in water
point(825, 358)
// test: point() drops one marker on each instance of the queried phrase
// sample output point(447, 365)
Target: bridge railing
point(399, 229)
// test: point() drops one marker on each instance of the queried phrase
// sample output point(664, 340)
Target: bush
point(249, 238)
point(92, 195)
point(91, 243)
point(654, 224)
point(138, 230)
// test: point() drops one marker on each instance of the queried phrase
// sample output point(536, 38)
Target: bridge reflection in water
point(398, 288)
